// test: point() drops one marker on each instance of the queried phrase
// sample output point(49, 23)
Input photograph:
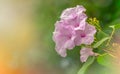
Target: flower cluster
point(73, 30)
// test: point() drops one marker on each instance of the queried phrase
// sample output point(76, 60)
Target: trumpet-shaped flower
point(85, 53)
point(75, 17)
point(85, 36)
point(72, 30)
point(64, 38)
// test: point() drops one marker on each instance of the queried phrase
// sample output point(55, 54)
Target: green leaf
point(117, 26)
point(86, 65)
point(100, 35)
point(105, 60)
point(100, 42)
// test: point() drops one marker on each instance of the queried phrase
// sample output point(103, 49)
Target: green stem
point(110, 37)
point(86, 65)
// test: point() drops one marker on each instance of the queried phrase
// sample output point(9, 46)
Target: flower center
point(83, 35)
point(76, 25)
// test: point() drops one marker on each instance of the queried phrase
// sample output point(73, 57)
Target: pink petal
point(85, 53)
point(90, 29)
point(87, 40)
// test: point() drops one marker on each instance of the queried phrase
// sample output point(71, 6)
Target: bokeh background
point(26, 26)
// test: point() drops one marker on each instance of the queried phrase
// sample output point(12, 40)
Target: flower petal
point(85, 53)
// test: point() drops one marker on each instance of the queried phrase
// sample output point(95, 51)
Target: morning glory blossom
point(73, 30)
point(85, 53)
point(75, 17)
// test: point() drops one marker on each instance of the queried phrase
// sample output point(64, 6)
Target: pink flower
point(85, 36)
point(85, 53)
point(72, 30)
point(64, 38)
point(75, 17)
point(71, 13)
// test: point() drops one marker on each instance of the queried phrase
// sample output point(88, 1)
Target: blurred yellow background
point(17, 35)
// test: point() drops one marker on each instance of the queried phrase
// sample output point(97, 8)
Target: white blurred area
point(17, 34)
point(15, 18)
point(16, 25)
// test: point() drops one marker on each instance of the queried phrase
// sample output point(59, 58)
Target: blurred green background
point(41, 15)
point(106, 11)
